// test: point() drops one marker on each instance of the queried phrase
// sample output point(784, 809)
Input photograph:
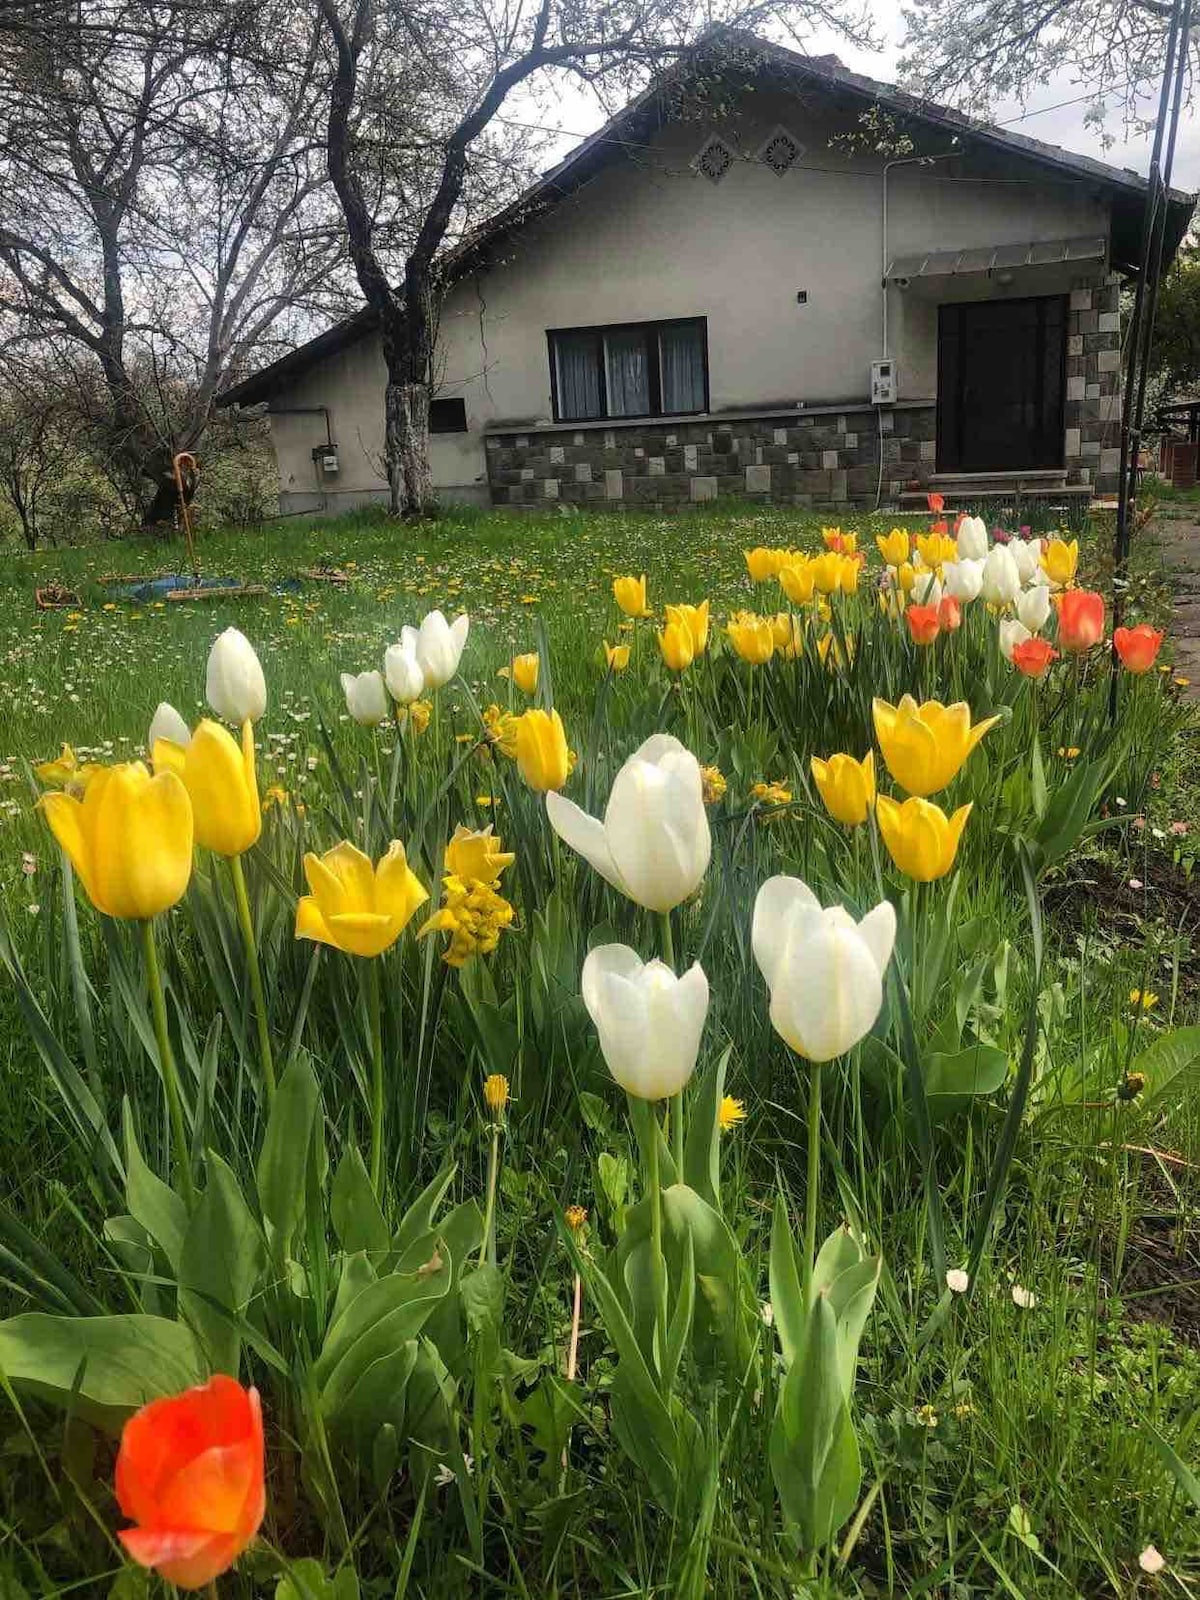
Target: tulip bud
point(1080, 620)
point(1137, 647)
point(166, 723)
point(1026, 553)
point(963, 579)
point(524, 671)
point(542, 752)
point(1033, 607)
point(439, 647)
point(402, 670)
point(235, 687)
point(972, 539)
point(1001, 581)
point(649, 1021)
point(366, 698)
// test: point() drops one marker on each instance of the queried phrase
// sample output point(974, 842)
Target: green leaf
point(357, 1219)
point(375, 1323)
point(154, 1203)
point(1038, 781)
point(787, 1296)
point(1170, 1066)
point(222, 1257)
point(1185, 1478)
point(482, 1294)
point(104, 1367)
point(813, 1450)
point(952, 1081)
point(702, 1151)
point(283, 1158)
point(418, 1219)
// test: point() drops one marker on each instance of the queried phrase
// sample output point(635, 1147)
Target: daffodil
point(355, 905)
point(66, 771)
point(846, 786)
point(920, 838)
point(926, 745)
point(221, 782)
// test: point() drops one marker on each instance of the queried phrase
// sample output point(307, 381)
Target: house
point(829, 292)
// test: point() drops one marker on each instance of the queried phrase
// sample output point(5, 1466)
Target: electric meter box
point(883, 383)
point(327, 459)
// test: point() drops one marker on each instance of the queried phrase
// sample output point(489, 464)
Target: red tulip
point(949, 613)
point(923, 623)
point(190, 1476)
point(1033, 656)
point(1080, 619)
point(1137, 647)
point(936, 502)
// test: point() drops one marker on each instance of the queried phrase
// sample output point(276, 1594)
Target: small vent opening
point(781, 151)
point(714, 160)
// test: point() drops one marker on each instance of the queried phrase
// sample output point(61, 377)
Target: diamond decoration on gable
point(781, 151)
point(715, 159)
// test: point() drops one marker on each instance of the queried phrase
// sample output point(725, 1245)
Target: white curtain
point(628, 374)
point(578, 376)
point(681, 355)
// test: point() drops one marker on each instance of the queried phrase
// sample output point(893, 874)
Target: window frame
point(653, 330)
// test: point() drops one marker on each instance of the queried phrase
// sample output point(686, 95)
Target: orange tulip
point(190, 1476)
point(949, 613)
point(922, 623)
point(1080, 620)
point(935, 502)
point(1033, 656)
point(1137, 647)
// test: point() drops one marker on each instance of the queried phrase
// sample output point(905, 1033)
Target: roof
point(648, 112)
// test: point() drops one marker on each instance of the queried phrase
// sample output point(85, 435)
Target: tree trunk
point(410, 476)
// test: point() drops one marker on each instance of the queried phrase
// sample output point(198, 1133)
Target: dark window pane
point(577, 361)
point(681, 355)
point(447, 416)
point(627, 371)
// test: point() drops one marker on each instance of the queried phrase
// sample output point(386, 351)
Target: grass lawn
point(1031, 1437)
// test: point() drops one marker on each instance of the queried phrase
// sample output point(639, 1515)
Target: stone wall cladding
point(1093, 407)
point(821, 460)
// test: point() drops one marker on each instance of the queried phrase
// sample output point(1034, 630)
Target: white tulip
point(963, 579)
point(824, 971)
point(402, 670)
point(1033, 607)
point(654, 843)
point(926, 589)
point(366, 698)
point(649, 1021)
point(972, 539)
point(1012, 633)
point(234, 685)
point(440, 646)
point(1027, 553)
point(1001, 580)
point(166, 723)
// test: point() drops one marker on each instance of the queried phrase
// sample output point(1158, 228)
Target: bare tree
point(420, 157)
point(35, 451)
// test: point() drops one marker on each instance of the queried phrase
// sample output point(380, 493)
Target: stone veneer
point(1093, 409)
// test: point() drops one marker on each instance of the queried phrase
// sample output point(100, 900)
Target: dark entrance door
point(1001, 366)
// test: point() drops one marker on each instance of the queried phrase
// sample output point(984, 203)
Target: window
point(637, 369)
point(447, 416)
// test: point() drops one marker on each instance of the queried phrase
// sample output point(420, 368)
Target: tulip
point(695, 620)
point(542, 753)
point(919, 836)
point(616, 656)
point(926, 745)
point(190, 1477)
point(846, 786)
point(366, 698)
point(523, 670)
point(752, 637)
point(848, 573)
point(475, 855)
point(936, 547)
point(166, 723)
point(926, 588)
point(66, 771)
point(1080, 620)
point(761, 563)
point(1001, 580)
point(824, 972)
point(221, 783)
point(949, 614)
point(797, 582)
point(402, 671)
point(355, 906)
point(935, 502)
point(649, 1021)
point(235, 687)
point(923, 623)
point(893, 546)
point(129, 839)
point(677, 646)
point(827, 571)
point(1033, 656)
point(630, 595)
point(1059, 561)
point(972, 540)
point(787, 634)
point(439, 647)
point(654, 843)
point(1033, 607)
point(1137, 647)
point(1027, 555)
point(1010, 634)
point(963, 579)
point(906, 576)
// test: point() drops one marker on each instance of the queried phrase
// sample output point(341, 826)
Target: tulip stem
point(657, 1259)
point(166, 1061)
point(814, 1176)
point(676, 1112)
point(375, 1017)
point(257, 992)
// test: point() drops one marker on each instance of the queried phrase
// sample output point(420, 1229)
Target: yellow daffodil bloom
point(797, 581)
point(221, 782)
point(920, 838)
point(501, 729)
point(630, 595)
point(752, 637)
point(846, 786)
point(477, 853)
point(729, 1113)
point(616, 656)
point(926, 745)
point(356, 906)
point(678, 649)
point(761, 563)
point(66, 772)
point(524, 672)
point(695, 620)
point(542, 753)
point(712, 785)
point(129, 839)
point(1059, 561)
point(894, 546)
point(473, 913)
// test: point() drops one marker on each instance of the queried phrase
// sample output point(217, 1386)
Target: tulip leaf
point(953, 1080)
point(154, 1203)
point(354, 1210)
point(1170, 1066)
point(222, 1256)
point(101, 1367)
point(1038, 780)
point(418, 1219)
point(813, 1450)
point(283, 1160)
point(787, 1296)
point(702, 1150)
point(377, 1321)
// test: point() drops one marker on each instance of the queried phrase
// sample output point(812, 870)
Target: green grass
point(1007, 1447)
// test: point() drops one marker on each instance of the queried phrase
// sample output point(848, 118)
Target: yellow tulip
point(356, 906)
point(846, 786)
point(477, 854)
point(695, 620)
point(221, 782)
point(542, 753)
point(752, 637)
point(630, 595)
point(920, 838)
point(906, 576)
point(787, 634)
point(845, 544)
point(1059, 561)
point(848, 575)
point(677, 646)
point(761, 563)
point(129, 839)
point(936, 549)
point(894, 546)
point(616, 656)
point(524, 672)
point(827, 571)
point(831, 653)
point(796, 581)
point(926, 745)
